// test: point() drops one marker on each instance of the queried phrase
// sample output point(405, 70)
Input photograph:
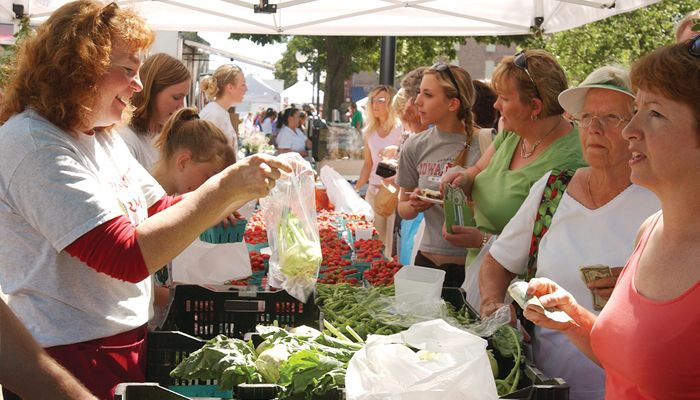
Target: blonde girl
point(225, 88)
point(444, 103)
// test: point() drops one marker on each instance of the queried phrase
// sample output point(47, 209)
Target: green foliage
point(259, 38)
point(620, 39)
point(8, 58)
point(415, 51)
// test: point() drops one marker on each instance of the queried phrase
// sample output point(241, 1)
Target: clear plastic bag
point(391, 310)
point(342, 195)
point(289, 211)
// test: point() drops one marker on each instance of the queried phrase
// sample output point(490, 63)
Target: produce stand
point(348, 268)
point(167, 348)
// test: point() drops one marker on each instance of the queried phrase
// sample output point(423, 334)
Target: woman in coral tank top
point(646, 337)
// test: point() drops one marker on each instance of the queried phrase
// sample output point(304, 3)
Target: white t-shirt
point(577, 237)
point(54, 188)
point(289, 139)
point(142, 147)
point(222, 119)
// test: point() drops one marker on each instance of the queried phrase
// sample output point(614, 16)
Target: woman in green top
point(535, 138)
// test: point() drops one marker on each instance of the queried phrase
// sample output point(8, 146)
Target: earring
point(533, 117)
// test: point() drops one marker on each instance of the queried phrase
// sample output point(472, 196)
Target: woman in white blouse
point(289, 137)
point(595, 223)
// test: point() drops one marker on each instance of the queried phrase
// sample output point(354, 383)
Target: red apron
point(101, 364)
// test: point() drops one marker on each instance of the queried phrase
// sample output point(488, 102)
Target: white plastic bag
point(451, 364)
point(471, 280)
point(342, 194)
point(203, 263)
point(289, 211)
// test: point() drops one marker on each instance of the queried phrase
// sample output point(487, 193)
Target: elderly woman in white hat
point(594, 224)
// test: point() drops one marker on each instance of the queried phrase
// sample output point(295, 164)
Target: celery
point(299, 256)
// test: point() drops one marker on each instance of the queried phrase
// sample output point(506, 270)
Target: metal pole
point(387, 60)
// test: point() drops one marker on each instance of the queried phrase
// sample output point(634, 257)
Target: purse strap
point(553, 191)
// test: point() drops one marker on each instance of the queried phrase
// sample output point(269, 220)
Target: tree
point(8, 59)
point(620, 39)
point(341, 56)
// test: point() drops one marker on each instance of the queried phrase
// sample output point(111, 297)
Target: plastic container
point(145, 391)
point(418, 284)
point(224, 234)
point(208, 311)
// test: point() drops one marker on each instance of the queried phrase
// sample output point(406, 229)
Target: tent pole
point(387, 61)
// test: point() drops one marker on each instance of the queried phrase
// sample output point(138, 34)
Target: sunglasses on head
point(520, 61)
point(442, 67)
point(694, 46)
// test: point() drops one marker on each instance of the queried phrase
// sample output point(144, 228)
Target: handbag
point(553, 191)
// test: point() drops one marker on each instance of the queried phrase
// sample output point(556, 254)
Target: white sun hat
point(607, 77)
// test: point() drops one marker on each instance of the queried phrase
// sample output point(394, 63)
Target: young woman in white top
point(290, 138)
point(191, 151)
point(383, 129)
point(224, 88)
point(166, 82)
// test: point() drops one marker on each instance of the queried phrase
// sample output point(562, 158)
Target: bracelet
point(484, 240)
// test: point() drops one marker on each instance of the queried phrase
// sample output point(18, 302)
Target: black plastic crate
point(234, 311)
point(165, 351)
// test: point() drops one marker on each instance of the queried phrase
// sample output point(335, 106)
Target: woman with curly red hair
point(82, 224)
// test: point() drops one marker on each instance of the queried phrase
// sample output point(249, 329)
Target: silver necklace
point(527, 154)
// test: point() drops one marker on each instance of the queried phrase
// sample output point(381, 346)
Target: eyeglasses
point(520, 61)
point(694, 46)
point(442, 67)
point(606, 121)
point(378, 100)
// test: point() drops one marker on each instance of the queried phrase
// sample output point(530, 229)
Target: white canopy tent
point(366, 17)
point(300, 93)
point(259, 95)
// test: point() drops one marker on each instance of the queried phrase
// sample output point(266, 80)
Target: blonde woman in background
point(166, 82)
point(383, 129)
point(224, 88)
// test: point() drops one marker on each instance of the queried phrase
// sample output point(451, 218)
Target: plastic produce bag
point(471, 280)
point(450, 364)
point(343, 196)
point(289, 211)
point(203, 263)
point(390, 310)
